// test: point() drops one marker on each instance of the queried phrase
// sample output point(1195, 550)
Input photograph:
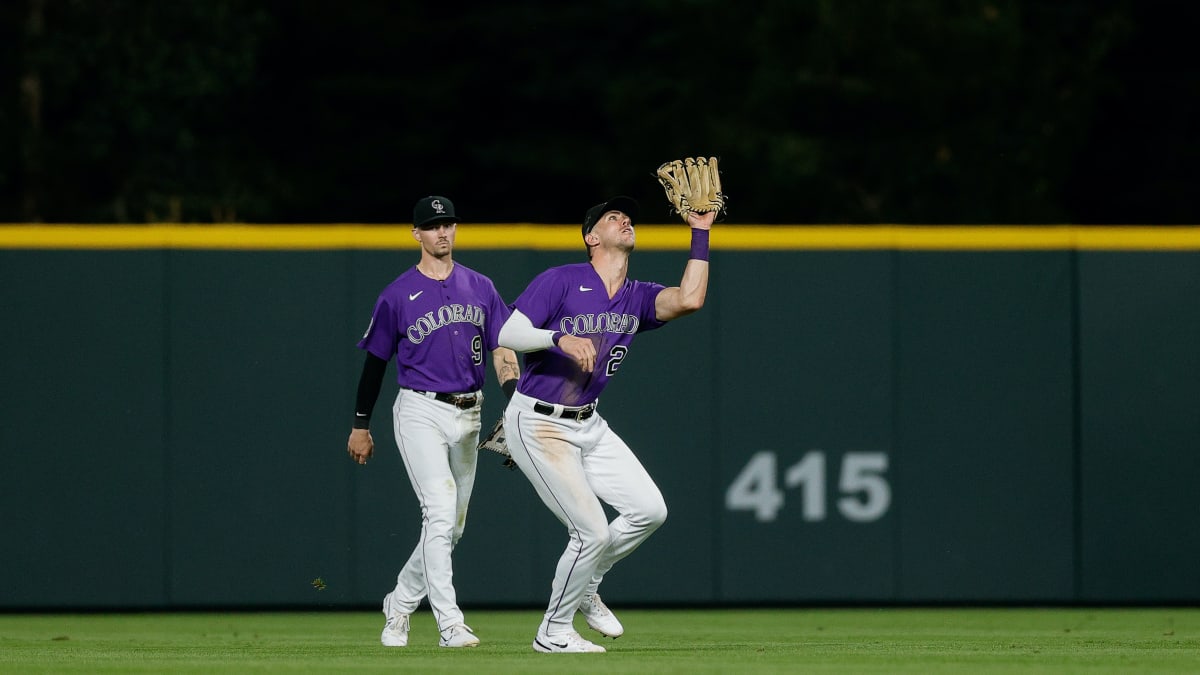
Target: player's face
point(438, 240)
point(616, 228)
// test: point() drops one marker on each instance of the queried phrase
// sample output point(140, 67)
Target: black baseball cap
point(432, 210)
point(626, 205)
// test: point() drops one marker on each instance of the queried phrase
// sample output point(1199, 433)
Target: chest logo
point(583, 288)
point(443, 316)
point(604, 322)
point(414, 296)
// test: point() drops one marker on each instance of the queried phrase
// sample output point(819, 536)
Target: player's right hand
point(701, 221)
point(580, 350)
point(360, 446)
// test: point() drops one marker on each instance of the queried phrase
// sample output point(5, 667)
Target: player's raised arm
point(688, 296)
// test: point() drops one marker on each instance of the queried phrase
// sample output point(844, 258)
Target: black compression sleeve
point(369, 385)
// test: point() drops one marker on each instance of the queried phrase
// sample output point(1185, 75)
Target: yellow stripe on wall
point(567, 237)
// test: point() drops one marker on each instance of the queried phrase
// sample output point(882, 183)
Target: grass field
point(1082, 640)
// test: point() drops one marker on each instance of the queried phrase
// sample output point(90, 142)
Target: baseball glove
point(494, 441)
point(693, 184)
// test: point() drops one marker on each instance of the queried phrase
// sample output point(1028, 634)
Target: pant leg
point(463, 458)
point(428, 435)
point(547, 451)
point(618, 478)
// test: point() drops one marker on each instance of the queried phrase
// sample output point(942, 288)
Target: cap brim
point(624, 204)
point(434, 222)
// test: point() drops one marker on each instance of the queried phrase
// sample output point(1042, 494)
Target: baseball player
point(576, 323)
point(438, 319)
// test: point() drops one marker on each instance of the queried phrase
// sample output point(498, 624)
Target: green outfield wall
point(858, 415)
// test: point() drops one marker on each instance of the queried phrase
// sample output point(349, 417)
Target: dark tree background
point(856, 111)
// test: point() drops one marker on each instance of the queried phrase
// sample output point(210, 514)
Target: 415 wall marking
point(863, 493)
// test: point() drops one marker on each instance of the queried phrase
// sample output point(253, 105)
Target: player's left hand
point(360, 446)
point(701, 221)
point(581, 350)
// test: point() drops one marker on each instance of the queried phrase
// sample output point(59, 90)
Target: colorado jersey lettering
point(608, 322)
point(444, 316)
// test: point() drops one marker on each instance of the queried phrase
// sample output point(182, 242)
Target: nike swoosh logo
point(554, 644)
point(584, 289)
point(360, 414)
point(414, 296)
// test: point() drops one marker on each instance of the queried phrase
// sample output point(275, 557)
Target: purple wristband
point(699, 244)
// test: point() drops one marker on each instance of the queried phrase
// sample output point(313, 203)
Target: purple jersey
point(572, 299)
point(438, 331)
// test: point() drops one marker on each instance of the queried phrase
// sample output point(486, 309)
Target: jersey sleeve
point(647, 294)
point(380, 339)
point(542, 298)
point(497, 313)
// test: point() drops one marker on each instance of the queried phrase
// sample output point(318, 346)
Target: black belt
point(578, 414)
point(460, 401)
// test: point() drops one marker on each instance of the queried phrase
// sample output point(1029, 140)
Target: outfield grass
point(656, 641)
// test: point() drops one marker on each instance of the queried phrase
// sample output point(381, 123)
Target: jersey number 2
point(615, 355)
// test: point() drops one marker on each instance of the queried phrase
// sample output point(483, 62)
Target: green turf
point(656, 641)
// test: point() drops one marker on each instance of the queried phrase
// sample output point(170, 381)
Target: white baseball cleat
point(570, 643)
point(395, 631)
point(600, 617)
point(459, 635)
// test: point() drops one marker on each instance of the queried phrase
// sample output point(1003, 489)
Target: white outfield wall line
point(528, 236)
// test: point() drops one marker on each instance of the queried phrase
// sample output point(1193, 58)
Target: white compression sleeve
point(518, 334)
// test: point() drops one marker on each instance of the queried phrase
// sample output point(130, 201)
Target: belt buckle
point(464, 403)
point(582, 414)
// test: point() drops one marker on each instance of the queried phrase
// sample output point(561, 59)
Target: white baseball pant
point(437, 442)
point(573, 465)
